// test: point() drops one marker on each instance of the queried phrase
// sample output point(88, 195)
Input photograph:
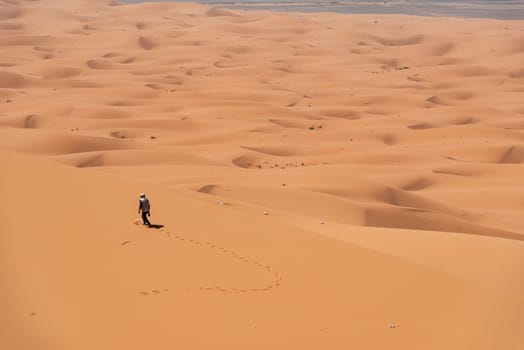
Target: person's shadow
point(156, 226)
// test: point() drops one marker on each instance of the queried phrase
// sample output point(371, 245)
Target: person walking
point(145, 207)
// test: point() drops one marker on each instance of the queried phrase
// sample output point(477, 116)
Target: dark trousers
point(145, 219)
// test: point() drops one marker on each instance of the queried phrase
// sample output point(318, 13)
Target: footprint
point(124, 243)
point(233, 254)
point(144, 293)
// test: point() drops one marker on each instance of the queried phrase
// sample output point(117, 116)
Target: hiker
point(143, 204)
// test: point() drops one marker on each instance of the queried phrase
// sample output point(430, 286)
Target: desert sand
point(324, 181)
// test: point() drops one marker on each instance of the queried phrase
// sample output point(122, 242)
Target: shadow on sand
point(156, 226)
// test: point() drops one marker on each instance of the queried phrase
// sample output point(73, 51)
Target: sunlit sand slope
point(78, 274)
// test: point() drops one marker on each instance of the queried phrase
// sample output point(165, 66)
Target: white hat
point(142, 194)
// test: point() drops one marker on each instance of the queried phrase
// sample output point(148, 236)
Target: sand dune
point(318, 178)
point(11, 80)
point(261, 272)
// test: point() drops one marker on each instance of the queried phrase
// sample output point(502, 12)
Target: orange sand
point(320, 177)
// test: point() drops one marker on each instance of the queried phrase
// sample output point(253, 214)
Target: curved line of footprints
point(277, 278)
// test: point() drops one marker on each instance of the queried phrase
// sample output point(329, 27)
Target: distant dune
point(324, 181)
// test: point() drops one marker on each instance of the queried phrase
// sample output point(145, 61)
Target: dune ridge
point(323, 180)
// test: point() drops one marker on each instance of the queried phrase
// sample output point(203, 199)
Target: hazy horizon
point(505, 9)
